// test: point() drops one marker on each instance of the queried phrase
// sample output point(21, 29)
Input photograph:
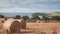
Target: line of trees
point(34, 17)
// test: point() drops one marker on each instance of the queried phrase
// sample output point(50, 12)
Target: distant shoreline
point(14, 14)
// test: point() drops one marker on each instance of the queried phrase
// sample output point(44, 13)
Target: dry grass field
point(37, 28)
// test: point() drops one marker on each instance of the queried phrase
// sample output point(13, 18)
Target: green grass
point(54, 15)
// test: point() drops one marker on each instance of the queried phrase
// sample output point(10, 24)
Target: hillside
point(48, 14)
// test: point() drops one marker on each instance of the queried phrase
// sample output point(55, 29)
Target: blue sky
point(21, 6)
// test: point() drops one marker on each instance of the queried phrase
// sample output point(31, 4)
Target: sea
point(14, 14)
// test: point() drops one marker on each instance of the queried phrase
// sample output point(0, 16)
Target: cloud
point(55, 0)
point(19, 2)
point(25, 10)
point(28, 5)
point(24, 1)
point(20, 10)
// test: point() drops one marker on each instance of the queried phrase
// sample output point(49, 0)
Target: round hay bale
point(2, 20)
point(12, 25)
point(38, 21)
point(23, 23)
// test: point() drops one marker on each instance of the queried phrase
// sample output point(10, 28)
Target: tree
point(45, 18)
point(1, 16)
point(17, 17)
point(35, 17)
point(25, 17)
point(56, 18)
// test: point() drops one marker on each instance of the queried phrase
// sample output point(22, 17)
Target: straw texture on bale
point(38, 21)
point(2, 20)
point(23, 23)
point(12, 25)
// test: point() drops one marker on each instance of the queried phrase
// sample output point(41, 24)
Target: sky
point(29, 6)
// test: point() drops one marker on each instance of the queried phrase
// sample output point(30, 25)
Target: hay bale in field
point(23, 23)
point(38, 21)
point(11, 25)
point(2, 20)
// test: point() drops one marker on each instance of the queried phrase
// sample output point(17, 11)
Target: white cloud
point(21, 10)
point(55, 0)
point(5, 3)
point(15, 3)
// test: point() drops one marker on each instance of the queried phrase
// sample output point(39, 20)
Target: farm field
point(36, 28)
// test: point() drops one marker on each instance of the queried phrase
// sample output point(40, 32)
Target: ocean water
point(14, 14)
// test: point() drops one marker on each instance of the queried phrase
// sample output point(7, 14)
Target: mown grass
point(54, 15)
